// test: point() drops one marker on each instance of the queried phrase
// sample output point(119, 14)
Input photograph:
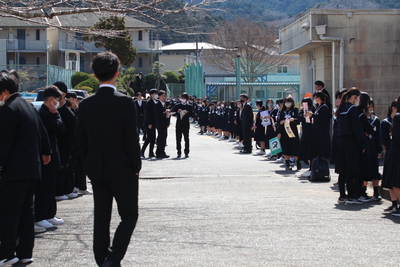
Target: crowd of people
point(45, 155)
point(354, 145)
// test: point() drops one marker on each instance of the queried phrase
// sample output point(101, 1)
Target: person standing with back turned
point(109, 143)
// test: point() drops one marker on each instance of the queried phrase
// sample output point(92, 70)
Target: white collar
point(108, 85)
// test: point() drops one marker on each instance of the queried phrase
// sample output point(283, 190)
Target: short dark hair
point(279, 101)
point(153, 91)
point(161, 92)
point(139, 94)
point(71, 95)
point(319, 83)
point(185, 96)
point(105, 65)
point(338, 94)
point(61, 86)
point(9, 81)
point(51, 91)
point(244, 96)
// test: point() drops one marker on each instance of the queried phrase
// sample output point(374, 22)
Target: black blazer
point(247, 116)
point(55, 129)
point(107, 136)
point(23, 141)
point(161, 120)
point(140, 110)
point(67, 140)
point(184, 122)
point(150, 118)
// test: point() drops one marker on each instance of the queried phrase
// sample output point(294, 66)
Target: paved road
point(219, 208)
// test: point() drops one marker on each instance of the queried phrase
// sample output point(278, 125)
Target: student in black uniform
point(149, 123)
point(375, 150)
point(279, 105)
point(140, 105)
point(366, 172)
point(65, 181)
point(203, 116)
point(247, 118)
point(307, 138)
point(321, 124)
point(218, 120)
point(290, 144)
point(351, 142)
point(259, 128)
point(225, 121)
point(24, 148)
point(45, 195)
point(211, 117)
point(231, 122)
point(182, 124)
point(162, 116)
point(238, 122)
point(320, 87)
point(392, 167)
point(386, 140)
point(271, 127)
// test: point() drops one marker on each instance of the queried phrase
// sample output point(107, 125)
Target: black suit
point(109, 143)
point(162, 123)
point(182, 127)
point(65, 181)
point(247, 124)
point(23, 141)
point(150, 119)
point(140, 114)
point(45, 202)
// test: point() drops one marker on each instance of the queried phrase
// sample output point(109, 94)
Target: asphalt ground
point(221, 208)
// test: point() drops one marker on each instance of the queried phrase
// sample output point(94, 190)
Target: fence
point(34, 77)
point(175, 89)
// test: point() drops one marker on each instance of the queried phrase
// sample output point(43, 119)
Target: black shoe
point(186, 155)
point(245, 152)
point(179, 156)
point(298, 165)
point(162, 157)
point(142, 155)
point(151, 155)
point(391, 208)
point(108, 263)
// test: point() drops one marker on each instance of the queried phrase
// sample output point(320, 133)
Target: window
point(259, 94)
point(37, 60)
point(140, 62)
point(140, 37)
point(37, 35)
point(282, 69)
point(281, 94)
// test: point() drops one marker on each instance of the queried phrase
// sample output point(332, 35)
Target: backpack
point(319, 170)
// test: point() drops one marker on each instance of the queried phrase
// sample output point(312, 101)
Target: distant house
point(68, 50)
point(22, 42)
point(346, 48)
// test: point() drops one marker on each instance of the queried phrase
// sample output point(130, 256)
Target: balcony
point(15, 45)
point(80, 46)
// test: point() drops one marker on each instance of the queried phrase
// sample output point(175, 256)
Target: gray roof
point(89, 19)
point(13, 22)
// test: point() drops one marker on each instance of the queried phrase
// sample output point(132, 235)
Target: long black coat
point(67, 140)
point(23, 140)
point(140, 112)
point(107, 136)
point(55, 129)
point(247, 117)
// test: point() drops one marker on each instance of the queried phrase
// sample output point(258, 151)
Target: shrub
point(92, 82)
point(79, 77)
point(172, 77)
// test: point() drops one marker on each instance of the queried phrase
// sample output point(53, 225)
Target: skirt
point(391, 171)
point(348, 153)
point(306, 146)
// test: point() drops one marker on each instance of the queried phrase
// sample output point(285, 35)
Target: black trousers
point(80, 176)
point(161, 141)
point(125, 193)
point(45, 202)
point(150, 139)
point(179, 132)
point(17, 218)
point(247, 139)
point(65, 182)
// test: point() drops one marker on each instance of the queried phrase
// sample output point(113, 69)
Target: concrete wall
point(371, 51)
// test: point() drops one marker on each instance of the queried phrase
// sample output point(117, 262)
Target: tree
point(254, 43)
point(150, 81)
point(30, 10)
point(92, 82)
point(120, 45)
point(157, 67)
point(28, 78)
point(181, 76)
